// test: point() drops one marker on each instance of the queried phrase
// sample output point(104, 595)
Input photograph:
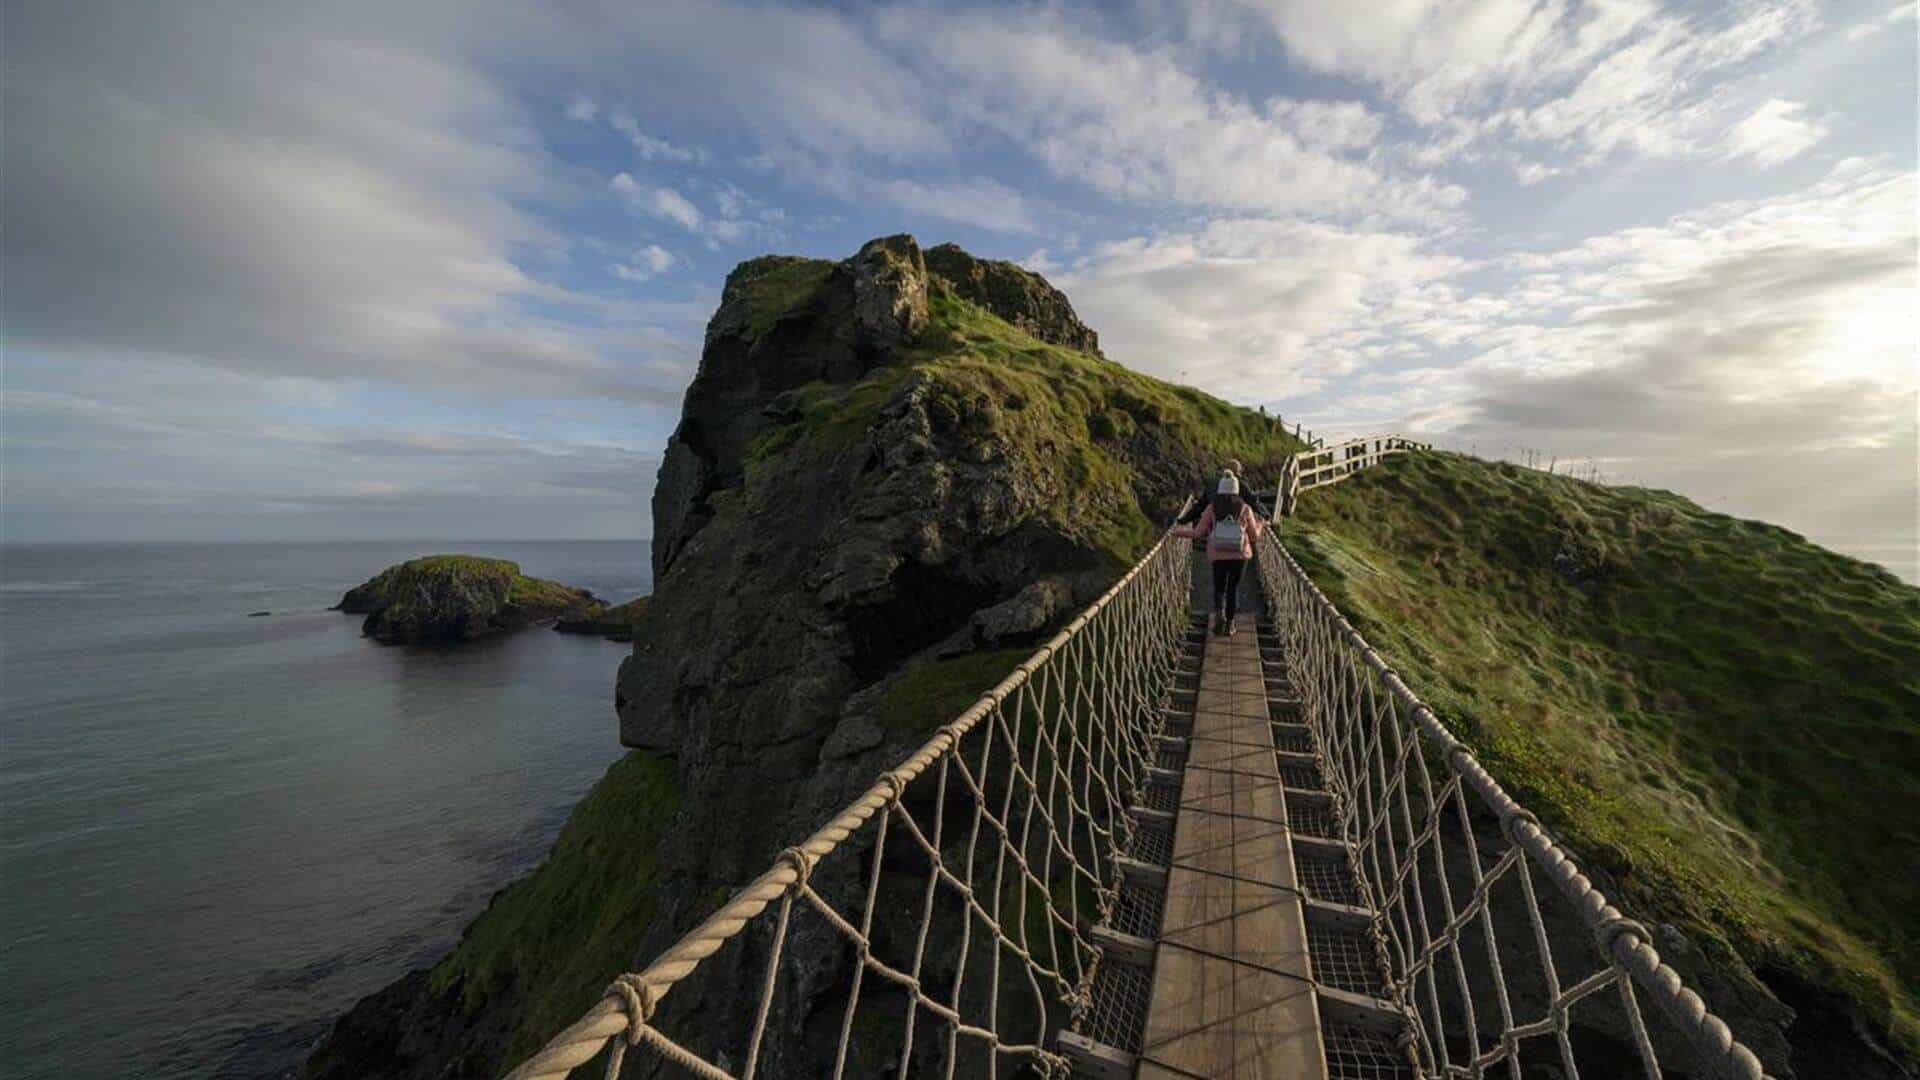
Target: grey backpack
point(1227, 537)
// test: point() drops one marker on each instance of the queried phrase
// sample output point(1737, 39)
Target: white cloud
point(1259, 309)
point(645, 263)
point(1134, 124)
point(801, 80)
point(669, 205)
point(233, 473)
point(1747, 354)
point(1533, 172)
point(582, 110)
point(661, 202)
point(1895, 15)
point(649, 147)
point(1598, 77)
point(1774, 133)
point(286, 218)
point(1336, 125)
point(987, 204)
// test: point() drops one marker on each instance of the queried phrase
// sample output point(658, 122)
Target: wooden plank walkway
point(1231, 990)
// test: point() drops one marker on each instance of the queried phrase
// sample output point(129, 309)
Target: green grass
point(523, 591)
point(1721, 714)
point(538, 594)
point(781, 288)
point(559, 935)
point(934, 692)
point(1083, 419)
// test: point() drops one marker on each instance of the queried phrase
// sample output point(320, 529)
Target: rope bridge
point(1004, 824)
point(995, 904)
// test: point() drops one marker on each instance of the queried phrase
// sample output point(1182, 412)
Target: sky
point(441, 270)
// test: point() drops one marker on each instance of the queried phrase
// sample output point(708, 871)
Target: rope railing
point(1493, 973)
point(960, 887)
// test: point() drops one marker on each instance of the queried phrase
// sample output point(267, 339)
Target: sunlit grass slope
point(1719, 713)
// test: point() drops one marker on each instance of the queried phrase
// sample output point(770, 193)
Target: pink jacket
point(1250, 529)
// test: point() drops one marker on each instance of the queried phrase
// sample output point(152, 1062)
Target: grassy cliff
point(560, 935)
point(1720, 714)
point(1097, 425)
point(1114, 445)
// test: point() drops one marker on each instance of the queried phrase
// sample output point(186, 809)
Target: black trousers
point(1226, 585)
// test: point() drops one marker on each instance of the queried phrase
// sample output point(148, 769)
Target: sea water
point(218, 831)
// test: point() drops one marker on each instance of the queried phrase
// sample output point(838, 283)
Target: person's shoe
point(1229, 627)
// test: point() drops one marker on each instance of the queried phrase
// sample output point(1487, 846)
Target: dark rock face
point(857, 315)
point(743, 366)
point(405, 1032)
point(451, 598)
point(1019, 296)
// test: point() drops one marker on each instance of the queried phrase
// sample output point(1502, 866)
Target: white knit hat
point(1229, 485)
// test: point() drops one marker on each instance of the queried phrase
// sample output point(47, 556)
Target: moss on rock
point(615, 623)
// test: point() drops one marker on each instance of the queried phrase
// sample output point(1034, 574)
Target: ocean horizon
point(221, 830)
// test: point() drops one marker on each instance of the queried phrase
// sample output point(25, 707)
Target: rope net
point(1495, 974)
point(944, 913)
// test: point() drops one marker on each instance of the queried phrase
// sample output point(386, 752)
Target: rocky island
point(451, 598)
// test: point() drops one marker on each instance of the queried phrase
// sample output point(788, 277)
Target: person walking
point(1229, 527)
point(1204, 498)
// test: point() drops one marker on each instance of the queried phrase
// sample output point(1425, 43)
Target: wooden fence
point(1332, 464)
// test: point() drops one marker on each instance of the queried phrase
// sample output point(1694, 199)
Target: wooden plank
point(1217, 1018)
point(1232, 846)
point(1231, 996)
point(1245, 730)
point(1247, 795)
point(1229, 756)
point(1094, 1059)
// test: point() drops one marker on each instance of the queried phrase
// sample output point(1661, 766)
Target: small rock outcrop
point(452, 598)
point(890, 290)
point(614, 623)
point(1017, 295)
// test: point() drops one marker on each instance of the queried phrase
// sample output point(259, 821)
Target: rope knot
point(894, 784)
point(1610, 930)
point(637, 997)
point(802, 864)
point(1510, 822)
